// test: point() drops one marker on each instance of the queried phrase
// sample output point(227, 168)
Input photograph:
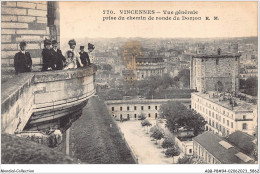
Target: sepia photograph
point(150, 85)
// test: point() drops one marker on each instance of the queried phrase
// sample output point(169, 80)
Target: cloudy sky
point(85, 19)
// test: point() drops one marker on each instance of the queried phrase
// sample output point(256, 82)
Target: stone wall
point(23, 21)
point(45, 96)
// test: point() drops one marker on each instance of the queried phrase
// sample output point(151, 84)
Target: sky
point(85, 19)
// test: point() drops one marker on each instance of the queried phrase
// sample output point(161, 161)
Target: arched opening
point(219, 86)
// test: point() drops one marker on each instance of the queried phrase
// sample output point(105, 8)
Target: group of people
point(53, 58)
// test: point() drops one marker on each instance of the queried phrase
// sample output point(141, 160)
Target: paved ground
point(147, 151)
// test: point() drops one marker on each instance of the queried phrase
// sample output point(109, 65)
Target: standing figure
point(47, 57)
point(22, 60)
point(84, 56)
point(71, 61)
point(59, 59)
point(91, 47)
point(72, 44)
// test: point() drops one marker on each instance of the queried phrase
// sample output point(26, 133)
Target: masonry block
point(31, 46)
point(42, 6)
point(31, 32)
point(8, 18)
point(36, 60)
point(6, 38)
point(28, 19)
point(28, 38)
point(13, 25)
point(13, 11)
point(41, 20)
point(32, 12)
point(8, 4)
point(9, 47)
point(37, 26)
point(8, 31)
point(5, 62)
point(11, 61)
point(26, 5)
point(7, 54)
point(35, 53)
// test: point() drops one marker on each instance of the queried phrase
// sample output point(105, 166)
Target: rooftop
point(228, 101)
point(221, 149)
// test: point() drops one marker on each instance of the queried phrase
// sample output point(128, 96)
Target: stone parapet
point(45, 96)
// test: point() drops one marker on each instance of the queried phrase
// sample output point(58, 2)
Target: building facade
point(225, 113)
point(215, 71)
point(152, 66)
point(133, 108)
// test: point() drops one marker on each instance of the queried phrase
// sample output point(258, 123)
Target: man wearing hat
point(91, 47)
point(72, 44)
point(22, 60)
point(59, 59)
point(47, 57)
point(84, 56)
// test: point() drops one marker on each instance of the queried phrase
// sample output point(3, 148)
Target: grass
point(16, 150)
point(93, 141)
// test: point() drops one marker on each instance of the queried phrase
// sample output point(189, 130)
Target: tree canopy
point(167, 143)
point(157, 134)
point(177, 116)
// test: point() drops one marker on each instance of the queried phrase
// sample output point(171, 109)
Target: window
point(149, 107)
point(155, 115)
point(244, 126)
point(223, 112)
point(112, 108)
point(224, 120)
point(213, 123)
point(128, 108)
point(135, 107)
point(206, 111)
point(220, 127)
point(209, 113)
point(217, 61)
point(121, 108)
point(209, 121)
point(216, 116)
point(219, 118)
point(155, 107)
point(231, 124)
point(213, 114)
point(227, 132)
point(135, 115)
point(190, 150)
point(227, 122)
point(244, 117)
point(149, 115)
point(216, 125)
point(142, 107)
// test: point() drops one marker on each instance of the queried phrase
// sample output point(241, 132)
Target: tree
point(167, 143)
point(157, 135)
point(146, 123)
point(142, 116)
point(249, 86)
point(114, 94)
point(177, 116)
point(172, 152)
point(185, 160)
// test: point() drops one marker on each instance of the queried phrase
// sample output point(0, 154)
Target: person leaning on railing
point(72, 44)
point(22, 60)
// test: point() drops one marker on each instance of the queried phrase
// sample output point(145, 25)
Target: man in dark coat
point(47, 57)
point(59, 59)
point(84, 56)
point(22, 60)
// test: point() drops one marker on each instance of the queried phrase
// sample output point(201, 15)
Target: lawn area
point(93, 141)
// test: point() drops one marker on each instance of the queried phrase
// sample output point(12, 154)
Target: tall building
point(215, 71)
point(216, 78)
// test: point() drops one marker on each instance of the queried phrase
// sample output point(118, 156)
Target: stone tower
point(215, 72)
